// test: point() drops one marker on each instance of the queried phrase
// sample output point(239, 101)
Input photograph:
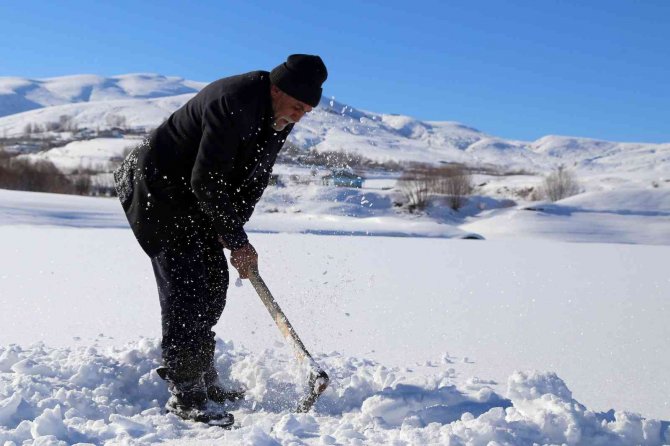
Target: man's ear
point(275, 90)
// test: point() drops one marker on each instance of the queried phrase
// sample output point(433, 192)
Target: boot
point(189, 401)
point(216, 392)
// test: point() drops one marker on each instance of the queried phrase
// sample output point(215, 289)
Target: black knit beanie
point(301, 76)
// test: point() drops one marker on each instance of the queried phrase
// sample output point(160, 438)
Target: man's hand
point(243, 259)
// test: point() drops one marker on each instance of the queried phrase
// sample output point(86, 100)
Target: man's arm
point(213, 164)
point(246, 202)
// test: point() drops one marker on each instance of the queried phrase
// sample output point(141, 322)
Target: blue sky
point(516, 69)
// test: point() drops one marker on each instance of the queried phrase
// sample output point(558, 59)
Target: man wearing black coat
point(189, 189)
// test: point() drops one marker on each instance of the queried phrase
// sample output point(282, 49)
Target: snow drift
point(61, 396)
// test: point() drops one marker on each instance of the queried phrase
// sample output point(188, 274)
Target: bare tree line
point(330, 159)
point(559, 184)
point(66, 123)
point(40, 176)
point(418, 183)
point(43, 176)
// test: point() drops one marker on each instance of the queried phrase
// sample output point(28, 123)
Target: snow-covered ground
point(631, 215)
point(521, 339)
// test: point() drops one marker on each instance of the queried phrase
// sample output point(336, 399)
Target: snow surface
point(315, 215)
point(632, 215)
point(635, 216)
point(428, 341)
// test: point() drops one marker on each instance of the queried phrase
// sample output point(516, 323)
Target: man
point(188, 190)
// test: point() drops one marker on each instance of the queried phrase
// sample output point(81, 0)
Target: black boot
point(218, 393)
point(189, 401)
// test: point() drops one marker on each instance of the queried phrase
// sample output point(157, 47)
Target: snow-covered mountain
point(145, 100)
point(20, 94)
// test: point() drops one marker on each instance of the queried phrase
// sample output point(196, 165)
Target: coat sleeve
point(248, 199)
point(246, 202)
point(211, 173)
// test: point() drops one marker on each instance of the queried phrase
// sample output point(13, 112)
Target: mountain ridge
point(19, 94)
point(144, 100)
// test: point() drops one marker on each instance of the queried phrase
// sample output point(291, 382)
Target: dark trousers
point(192, 277)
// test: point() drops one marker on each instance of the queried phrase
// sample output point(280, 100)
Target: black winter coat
point(205, 167)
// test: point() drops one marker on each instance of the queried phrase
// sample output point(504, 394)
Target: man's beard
point(281, 122)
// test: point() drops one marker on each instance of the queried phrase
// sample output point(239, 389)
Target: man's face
point(286, 109)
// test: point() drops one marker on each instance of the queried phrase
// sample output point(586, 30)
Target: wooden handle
point(318, 380)
point(278, 315)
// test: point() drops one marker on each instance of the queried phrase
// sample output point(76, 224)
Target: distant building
point(84, 134)
point(114, 132)
point(342, 178)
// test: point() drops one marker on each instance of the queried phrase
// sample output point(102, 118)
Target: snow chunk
point(442, 405)
point(29, 367)
point(50, 423)
point(8, 357)
point(8, 408)
point(297, 424)
point(533, 385)
point(126, 424)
